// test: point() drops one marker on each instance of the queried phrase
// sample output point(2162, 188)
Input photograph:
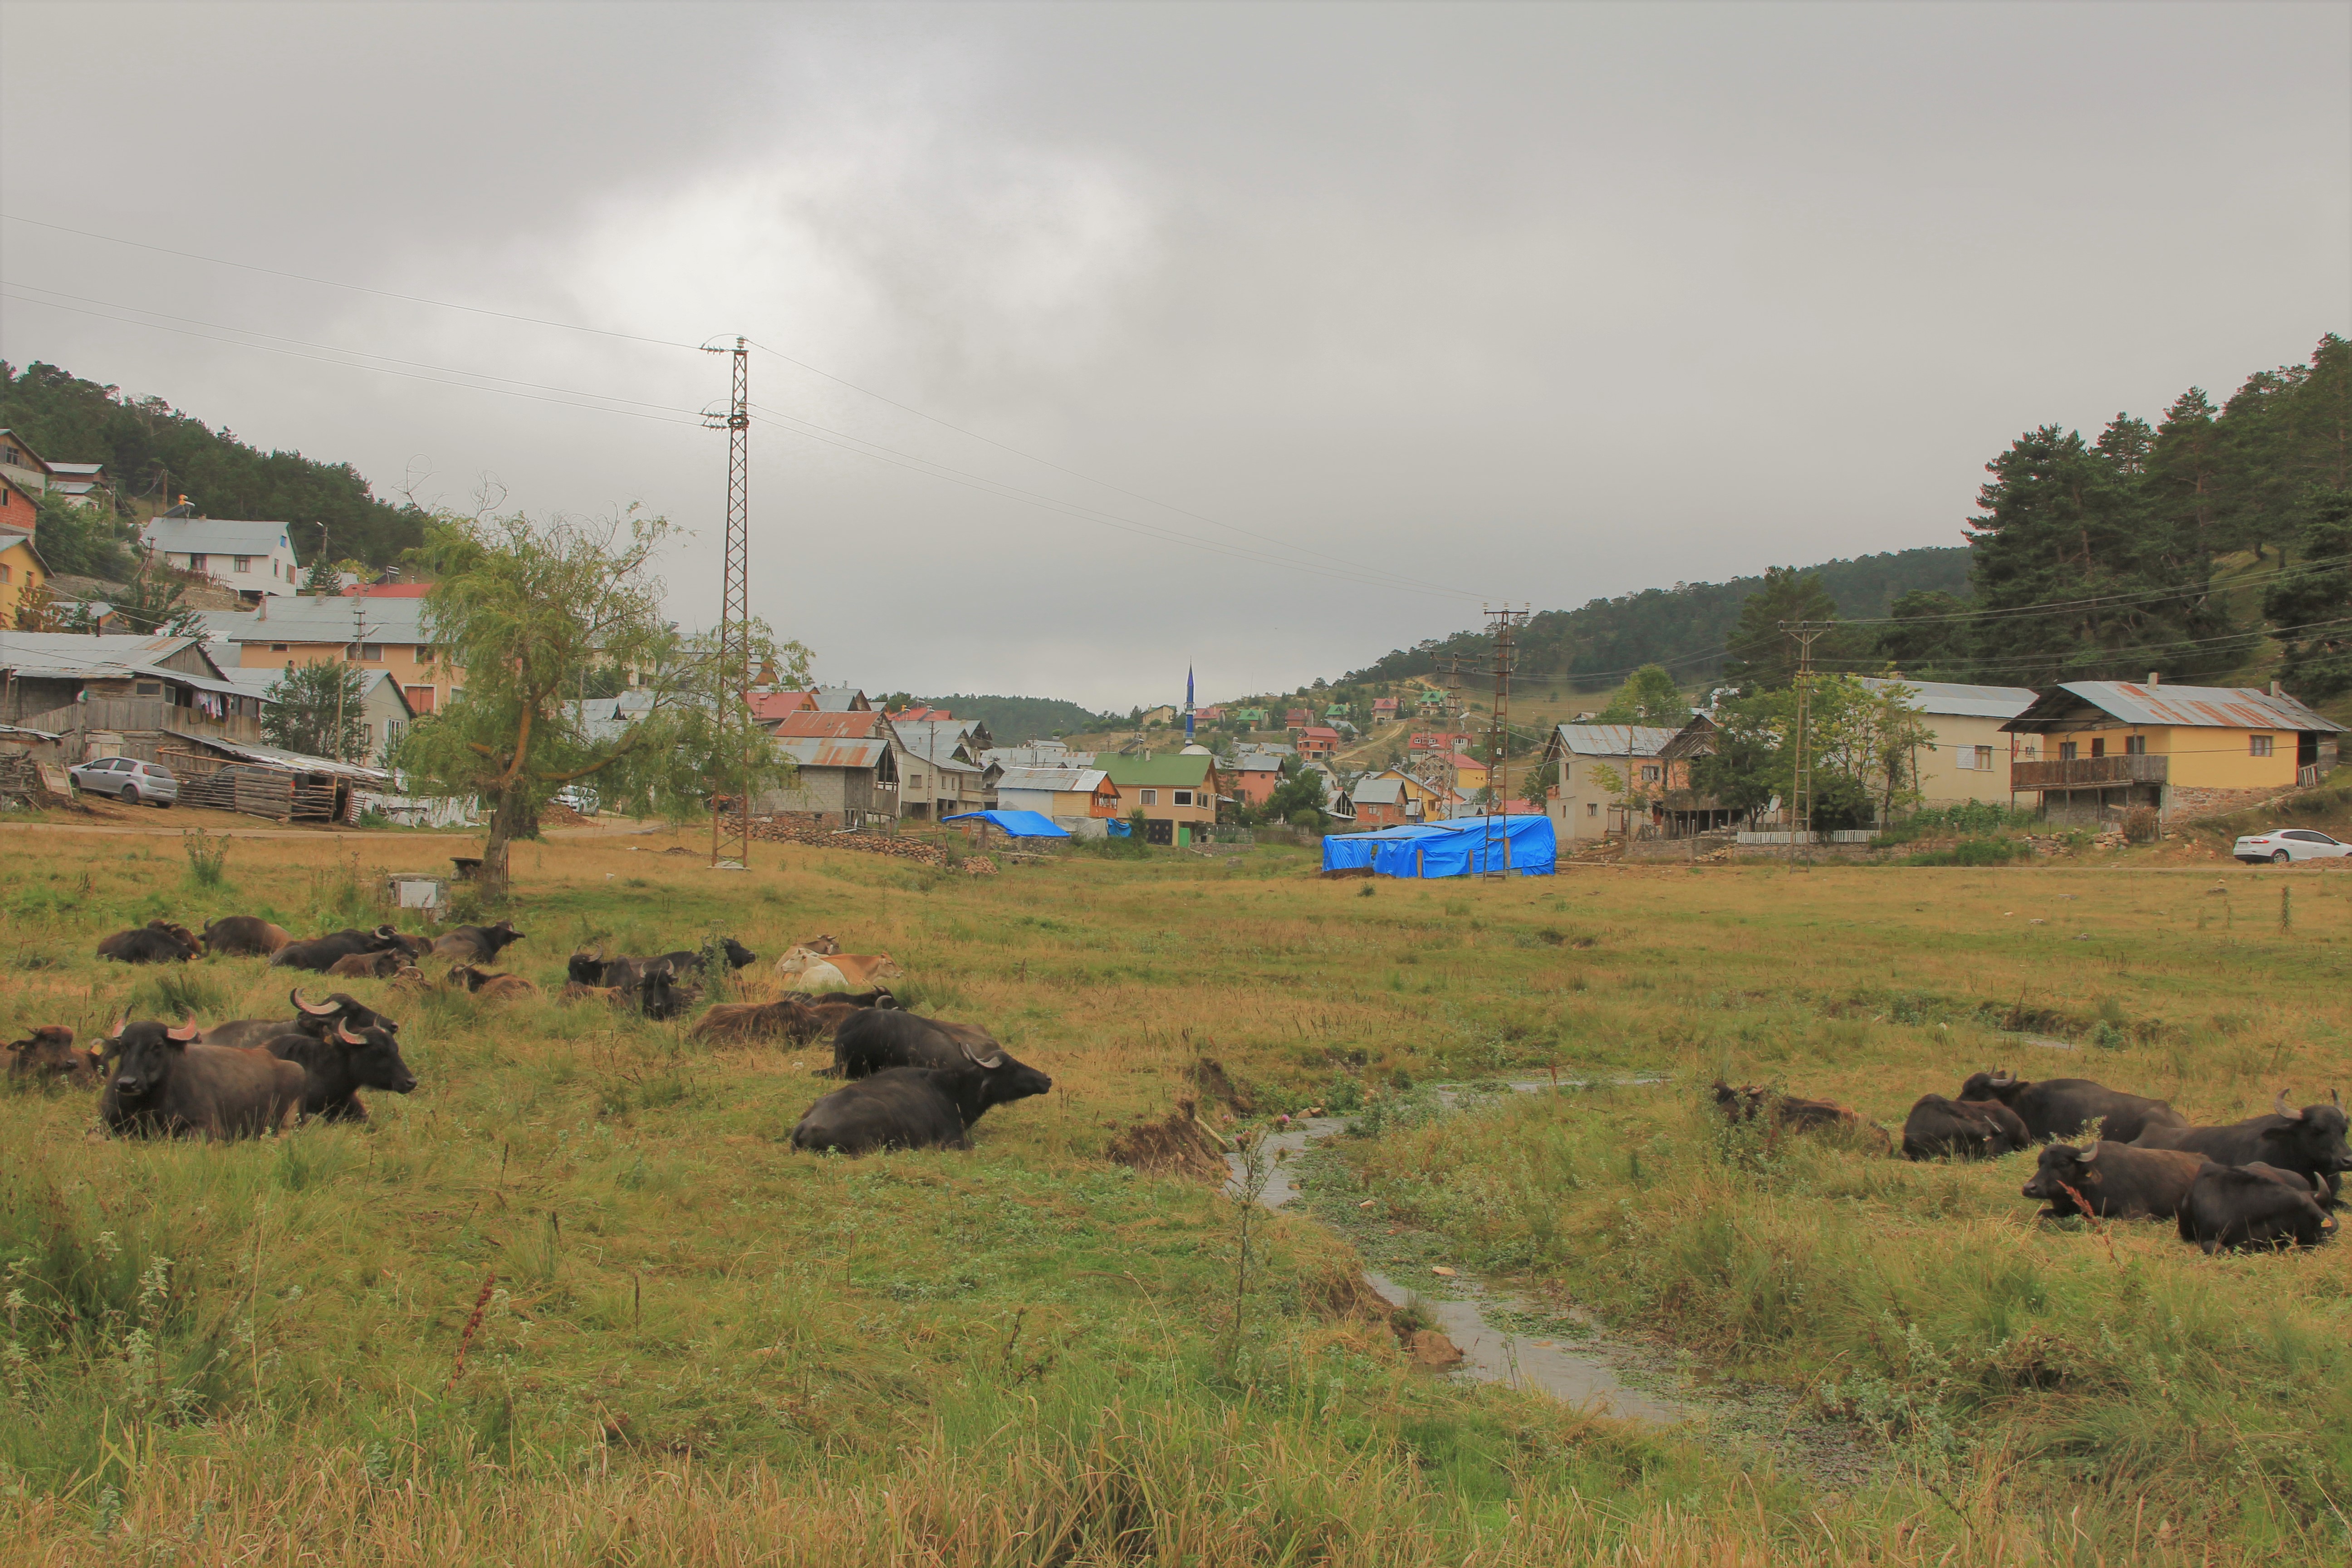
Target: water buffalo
point(157, 941)
point(1964, 1129)
point(492, 987)
point(337, 1067)
point(166, 1083)
point(318, 954)
point(916, 1108)
point(243, 936)
point(622, 973)
point(2236, 1206)
point(318, 1018)
point(476, 945)
point(48, 1053)
point(2309, 1141)
point(1789, 1112)
point(368, 965)
point(795, 1020)
point(2113, 1181)
point(693, 960)
point(875, 1039)
point(2063, 1106)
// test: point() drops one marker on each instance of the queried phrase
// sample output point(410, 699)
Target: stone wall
point(2187, 805)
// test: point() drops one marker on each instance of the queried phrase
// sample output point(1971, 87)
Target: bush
point(1975, 852)
point(2140, 824)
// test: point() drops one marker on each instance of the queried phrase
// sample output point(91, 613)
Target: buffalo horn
point(344, 1033)
point(2090, 1153)
point(969, 1054)
point(187, 1031)
point(318, 1012)
point(2000, 1077)
point(121, 1024)
point(2279, 1107)
point(2336, 1097)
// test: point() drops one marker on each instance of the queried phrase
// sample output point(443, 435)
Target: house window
point(2134, 746)
point(2258, 745)
point(244, 563)
point(1964, 758)
point(1183, 797)
point(371, 650)
point(2098, 748)
point(1984, 758)
point(196, 563)
point(1148, 797)
point(2065, 751)
point(1591, 808)
point(4, 572)
point(420, 699)
point(1649, 773)
point(278, 647)
point(147, 689)
point(914, 781)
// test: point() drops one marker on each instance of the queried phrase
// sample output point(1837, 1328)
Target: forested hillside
point(1015, 720)
point(154, 453)
point(1685, 627)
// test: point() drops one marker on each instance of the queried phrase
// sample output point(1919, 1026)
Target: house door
point(1158, 832)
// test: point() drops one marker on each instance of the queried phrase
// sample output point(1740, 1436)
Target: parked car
point(129, 780)
point(579, 798)
point(2280, 844)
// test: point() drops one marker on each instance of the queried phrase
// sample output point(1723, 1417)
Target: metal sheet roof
point(1960, 701)
point(1614, 740)
point(303, 617)
point(831, 752)
point(293, 761)
point(2204, 707)
point(214, 536)
point(1060, 780)
point(811, 723)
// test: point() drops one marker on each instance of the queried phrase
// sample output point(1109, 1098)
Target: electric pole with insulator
point(731, 681)
point(1801, 778)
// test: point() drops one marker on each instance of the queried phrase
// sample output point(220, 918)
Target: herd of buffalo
point(2267, 1181)
point(914, 1082)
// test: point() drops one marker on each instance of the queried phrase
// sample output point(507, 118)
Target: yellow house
point(21, 570)
point(1966, 756)
point(389, 636)
point(2188, 750)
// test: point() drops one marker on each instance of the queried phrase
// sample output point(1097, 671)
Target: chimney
point(2274, 690)
point(2156, 678)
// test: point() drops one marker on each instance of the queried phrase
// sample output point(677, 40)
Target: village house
point(1175, 791)
point(1253, 777)
point(1298, 719)
point(1212, 715)
point(1966, 756)
point(1394, 796)
point(1384, 710)
point(21, 567)
point(1037, 754)
point(138, 695)
point(384, 713)
point(1252, 718)
point(768, 706)
point(1079, 800)
point(2107, 745)
point(1599, 766)
point(847, 769)
point(252, 559)
point(378, 627)
point(939, 769)
point(1317, 740)
point(75, 484)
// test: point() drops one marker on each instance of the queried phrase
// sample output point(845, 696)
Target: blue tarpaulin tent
point(1462, 848)
point(1353, 851)
point(1015, 824)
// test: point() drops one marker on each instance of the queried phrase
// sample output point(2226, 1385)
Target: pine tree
point(1761, 656)
point(2312, 607)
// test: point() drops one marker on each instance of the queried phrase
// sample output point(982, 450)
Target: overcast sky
point(1304, 329)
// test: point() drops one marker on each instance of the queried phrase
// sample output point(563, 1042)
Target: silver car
point(2280, 844)
point(129, 780)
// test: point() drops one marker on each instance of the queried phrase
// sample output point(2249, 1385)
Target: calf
point(1750, 1102)
point(916, 1108)
point(2113, 1181)
point(318, 1018)
point(48, 1053)
point(368, 965)
point(492, 987)
point(157, 941)
point(336, 1068)
point(2235, 1207)
point(318, 954)
point(2309, 1141)
point(1963, 1129)
point(243, 936)
point(167, 1084)
point(2063, 1106)
point(476, 945)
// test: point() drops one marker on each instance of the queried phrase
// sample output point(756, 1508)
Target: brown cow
point(48, 1053)
point(367, 966)
point(794, 1019)
point(806, 971)
point(1791, 1113)
point(492, 987)
point(821, 944)
point(166, 1084)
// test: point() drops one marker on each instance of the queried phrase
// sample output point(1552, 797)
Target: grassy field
point(577, 1299)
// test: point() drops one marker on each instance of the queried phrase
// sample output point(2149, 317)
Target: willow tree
point(525, 616)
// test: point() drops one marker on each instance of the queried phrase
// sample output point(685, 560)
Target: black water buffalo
point(319, 952)
point(337, 1067)
point(167, 1084)
point(2235, 1207)
point(2063, 1106)
point(875, 1039)
point(2115, 1181)
point(317, 1018)
point(48, 1053)
point(476, 945)
point(157, 941)
point(1964, 1129)
point(243, 936)
point(2309, 1141)
point(916, 1108)
point(798, 1019)
point(687, 961)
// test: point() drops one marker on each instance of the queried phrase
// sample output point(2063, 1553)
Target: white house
point(255, 559)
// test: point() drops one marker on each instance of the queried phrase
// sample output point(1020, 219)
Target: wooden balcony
point(2087, 772)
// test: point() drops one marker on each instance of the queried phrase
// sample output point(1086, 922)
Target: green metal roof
point(1174, 769)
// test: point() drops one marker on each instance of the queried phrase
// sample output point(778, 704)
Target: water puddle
point(1581, 1375)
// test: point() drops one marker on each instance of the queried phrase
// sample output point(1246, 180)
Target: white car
point(2280, 844)
point(127, 780)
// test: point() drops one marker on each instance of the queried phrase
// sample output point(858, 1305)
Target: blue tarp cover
point(1455, 849)
point(1016, 824)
